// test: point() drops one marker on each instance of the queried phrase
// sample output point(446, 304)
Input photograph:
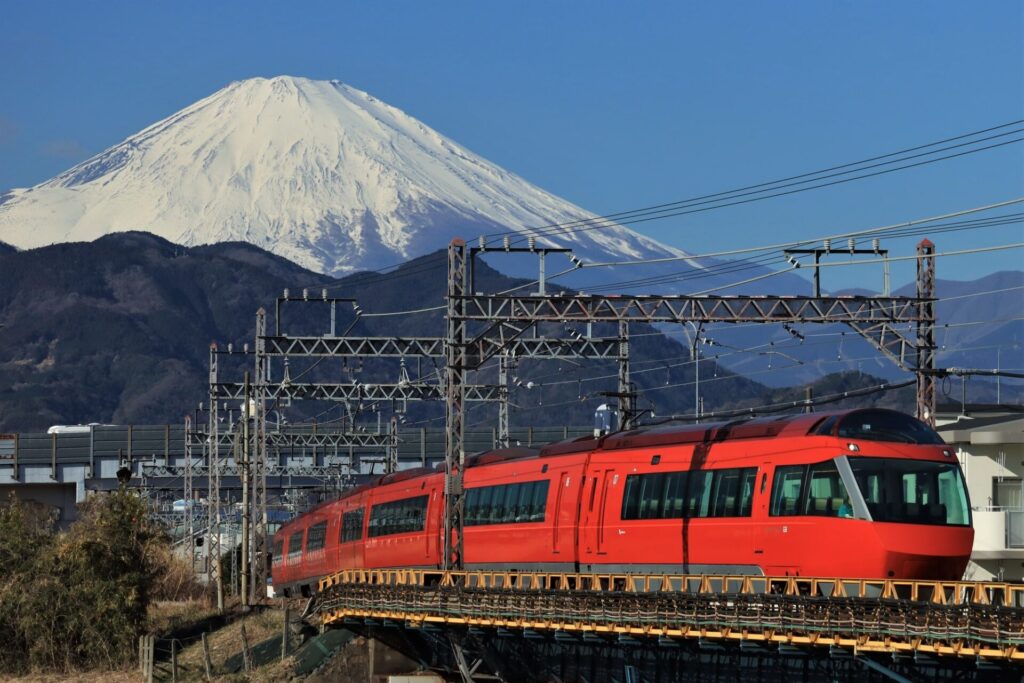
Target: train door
point(598, 536)
point(609, 480)
point(762, 498)
point(775, 541)
point(434, 511)
point(565, 517)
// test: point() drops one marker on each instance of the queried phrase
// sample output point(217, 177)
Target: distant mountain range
point(118, 330)
point(116, 274)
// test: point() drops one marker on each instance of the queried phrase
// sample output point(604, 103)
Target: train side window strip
point(316, 536)
point(703, 493)
point(404, 516)
point(352, 526)
point(295, 545)
point(507, 503)
point(787, 488)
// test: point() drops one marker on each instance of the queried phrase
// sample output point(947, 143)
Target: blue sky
point(611, 105)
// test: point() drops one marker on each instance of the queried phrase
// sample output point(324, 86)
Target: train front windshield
point(912, 491)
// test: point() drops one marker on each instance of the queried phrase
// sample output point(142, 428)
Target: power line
point(678, 203)
point(727, 202)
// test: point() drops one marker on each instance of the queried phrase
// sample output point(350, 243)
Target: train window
point(654, 496)
point(733, 492)
point(912, 491)
point(698, 493)
point(887, 425)
point(826, 493)
point(316, 536)
point(278, 551)
point(786, 489)
point(506, 503)
point(747, 491)
point(295, 545)
point(398, 516)
point(352, 526)
point(540, 501)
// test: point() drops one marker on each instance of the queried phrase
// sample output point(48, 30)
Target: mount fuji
point(318, 172)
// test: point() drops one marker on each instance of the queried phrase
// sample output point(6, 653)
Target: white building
point(989, 443)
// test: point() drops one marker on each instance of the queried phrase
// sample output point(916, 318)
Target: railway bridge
point(528, 626)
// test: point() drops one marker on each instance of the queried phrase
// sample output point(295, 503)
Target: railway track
point(943, 619)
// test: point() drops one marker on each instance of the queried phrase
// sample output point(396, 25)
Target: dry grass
point(227, 641)
point(167, 616)
point(126, 676)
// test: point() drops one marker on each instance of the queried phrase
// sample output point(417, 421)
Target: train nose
point(938, 553)
point(926, 567)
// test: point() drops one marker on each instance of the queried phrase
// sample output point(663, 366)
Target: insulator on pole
point(853, 244)
point(506, 242)
point(483, 243)
point(305, 294)
point(531, 241)
point(286, 292)
point(876, 245)
point(828, 245)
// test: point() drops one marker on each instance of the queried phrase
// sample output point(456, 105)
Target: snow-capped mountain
point(315, 171)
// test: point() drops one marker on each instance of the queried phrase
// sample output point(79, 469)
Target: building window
point(1007, 492)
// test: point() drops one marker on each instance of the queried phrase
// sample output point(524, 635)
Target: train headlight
point(852, 447)
point(948, 453)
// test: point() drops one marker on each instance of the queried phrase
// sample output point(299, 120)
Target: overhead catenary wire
point(771, 195)
point(766, 184)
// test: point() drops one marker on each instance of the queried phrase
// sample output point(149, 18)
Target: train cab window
point(295, 545)
point(887, 425)
point(316, 537)
point(352, 526)
point(278, 551)
point(786, 489)
point(506, 503)
point(398, 516)
point(912, 491)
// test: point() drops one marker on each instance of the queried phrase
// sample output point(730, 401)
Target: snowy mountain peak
point(315, 171)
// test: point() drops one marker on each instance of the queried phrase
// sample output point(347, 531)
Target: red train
point(862, 493)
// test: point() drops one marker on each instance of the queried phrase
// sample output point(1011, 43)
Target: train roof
point(800, 424)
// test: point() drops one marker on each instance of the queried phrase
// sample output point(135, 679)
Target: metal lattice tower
point(190, 516)
point(505, 317)
point(213, 468)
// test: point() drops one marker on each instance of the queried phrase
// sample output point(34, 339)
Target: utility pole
point(505, 365)
point(190, 519)
point(926, 332)
point(243, 471)
point(625, 391)
point(213, 465)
